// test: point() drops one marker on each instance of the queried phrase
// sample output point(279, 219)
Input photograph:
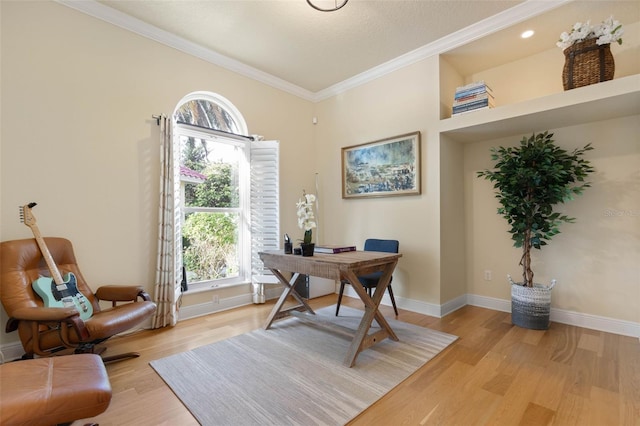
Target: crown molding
point(122, 20)
point(507, 18)
point(521, 12)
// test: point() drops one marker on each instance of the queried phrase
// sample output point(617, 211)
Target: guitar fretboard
point(30, 221)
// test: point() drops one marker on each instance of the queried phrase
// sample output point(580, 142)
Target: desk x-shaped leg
point(277, 312)
point(362, 340)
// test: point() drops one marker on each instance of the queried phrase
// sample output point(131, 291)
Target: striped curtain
point(167, 285)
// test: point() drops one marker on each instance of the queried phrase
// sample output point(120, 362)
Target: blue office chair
point(370, 281)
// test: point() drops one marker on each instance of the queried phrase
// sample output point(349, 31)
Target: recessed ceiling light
point(527, 34)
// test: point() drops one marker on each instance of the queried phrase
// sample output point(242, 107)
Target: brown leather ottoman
point(48, 391)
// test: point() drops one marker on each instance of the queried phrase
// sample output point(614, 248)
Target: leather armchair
point(46, 330)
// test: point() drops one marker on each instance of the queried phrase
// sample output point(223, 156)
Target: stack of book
point(472, 96)
point(332, 248)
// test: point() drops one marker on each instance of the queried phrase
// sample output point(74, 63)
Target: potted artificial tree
point(530, 180)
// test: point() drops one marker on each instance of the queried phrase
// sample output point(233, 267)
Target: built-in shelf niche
point(602, 101)
point(527, 81)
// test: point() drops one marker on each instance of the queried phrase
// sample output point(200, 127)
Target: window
point(228, 193)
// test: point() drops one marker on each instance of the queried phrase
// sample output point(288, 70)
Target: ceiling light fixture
point(527, 34)
point(330, 7)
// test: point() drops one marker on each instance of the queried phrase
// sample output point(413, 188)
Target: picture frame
point(382, 168)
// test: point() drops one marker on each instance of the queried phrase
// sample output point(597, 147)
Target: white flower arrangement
point(607, 32)
point(306, 218)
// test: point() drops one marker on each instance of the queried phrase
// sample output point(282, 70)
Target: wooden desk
point(341, 266)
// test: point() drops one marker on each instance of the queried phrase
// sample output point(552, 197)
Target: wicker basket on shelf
point(587, 63)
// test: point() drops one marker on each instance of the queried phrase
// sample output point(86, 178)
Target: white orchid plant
point(306, 218)
point(607, 32)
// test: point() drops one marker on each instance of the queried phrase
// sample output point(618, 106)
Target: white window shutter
point(265, 202)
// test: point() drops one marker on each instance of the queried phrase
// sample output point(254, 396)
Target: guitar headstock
point(26, 216)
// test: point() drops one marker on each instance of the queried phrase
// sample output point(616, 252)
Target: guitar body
point(63, 295)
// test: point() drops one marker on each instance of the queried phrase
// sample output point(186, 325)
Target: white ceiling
point(309, 53)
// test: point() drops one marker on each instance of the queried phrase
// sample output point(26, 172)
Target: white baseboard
point(418, 306)
point(578, 319)
point(453, 305)
point(13, 350)
point(201, 309)
point(489, 302)
point(594, 322)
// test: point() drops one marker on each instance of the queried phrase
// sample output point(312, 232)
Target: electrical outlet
point(216, 299)
point(487, 275)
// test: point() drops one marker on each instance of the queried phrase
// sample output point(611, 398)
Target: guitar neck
point(55, 273)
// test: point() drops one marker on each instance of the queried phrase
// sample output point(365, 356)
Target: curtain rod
point(219, 132)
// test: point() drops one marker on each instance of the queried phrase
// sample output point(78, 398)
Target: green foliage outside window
point(209, 238)
point(209, 251)
point(218, 190)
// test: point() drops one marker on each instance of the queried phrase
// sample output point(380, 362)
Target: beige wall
point(452, 222)
point(402, 102)
point(595, 260)
point(78, 138)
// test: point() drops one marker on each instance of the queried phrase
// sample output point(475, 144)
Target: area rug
point(293, 373)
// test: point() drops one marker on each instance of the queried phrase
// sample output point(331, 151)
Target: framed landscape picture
point(382, 168)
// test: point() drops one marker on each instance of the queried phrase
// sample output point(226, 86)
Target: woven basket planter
point(531, 306)
point(587, 63)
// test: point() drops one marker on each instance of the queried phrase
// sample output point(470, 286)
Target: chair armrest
point(70, 316)
point(44, 314)
point(120, 293)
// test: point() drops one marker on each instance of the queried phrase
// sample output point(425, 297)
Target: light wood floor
point(495, 374)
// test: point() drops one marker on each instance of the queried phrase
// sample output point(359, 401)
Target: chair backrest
point(387, 246)
point(21, 263)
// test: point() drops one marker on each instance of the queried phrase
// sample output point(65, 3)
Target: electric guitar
point(59, 291)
